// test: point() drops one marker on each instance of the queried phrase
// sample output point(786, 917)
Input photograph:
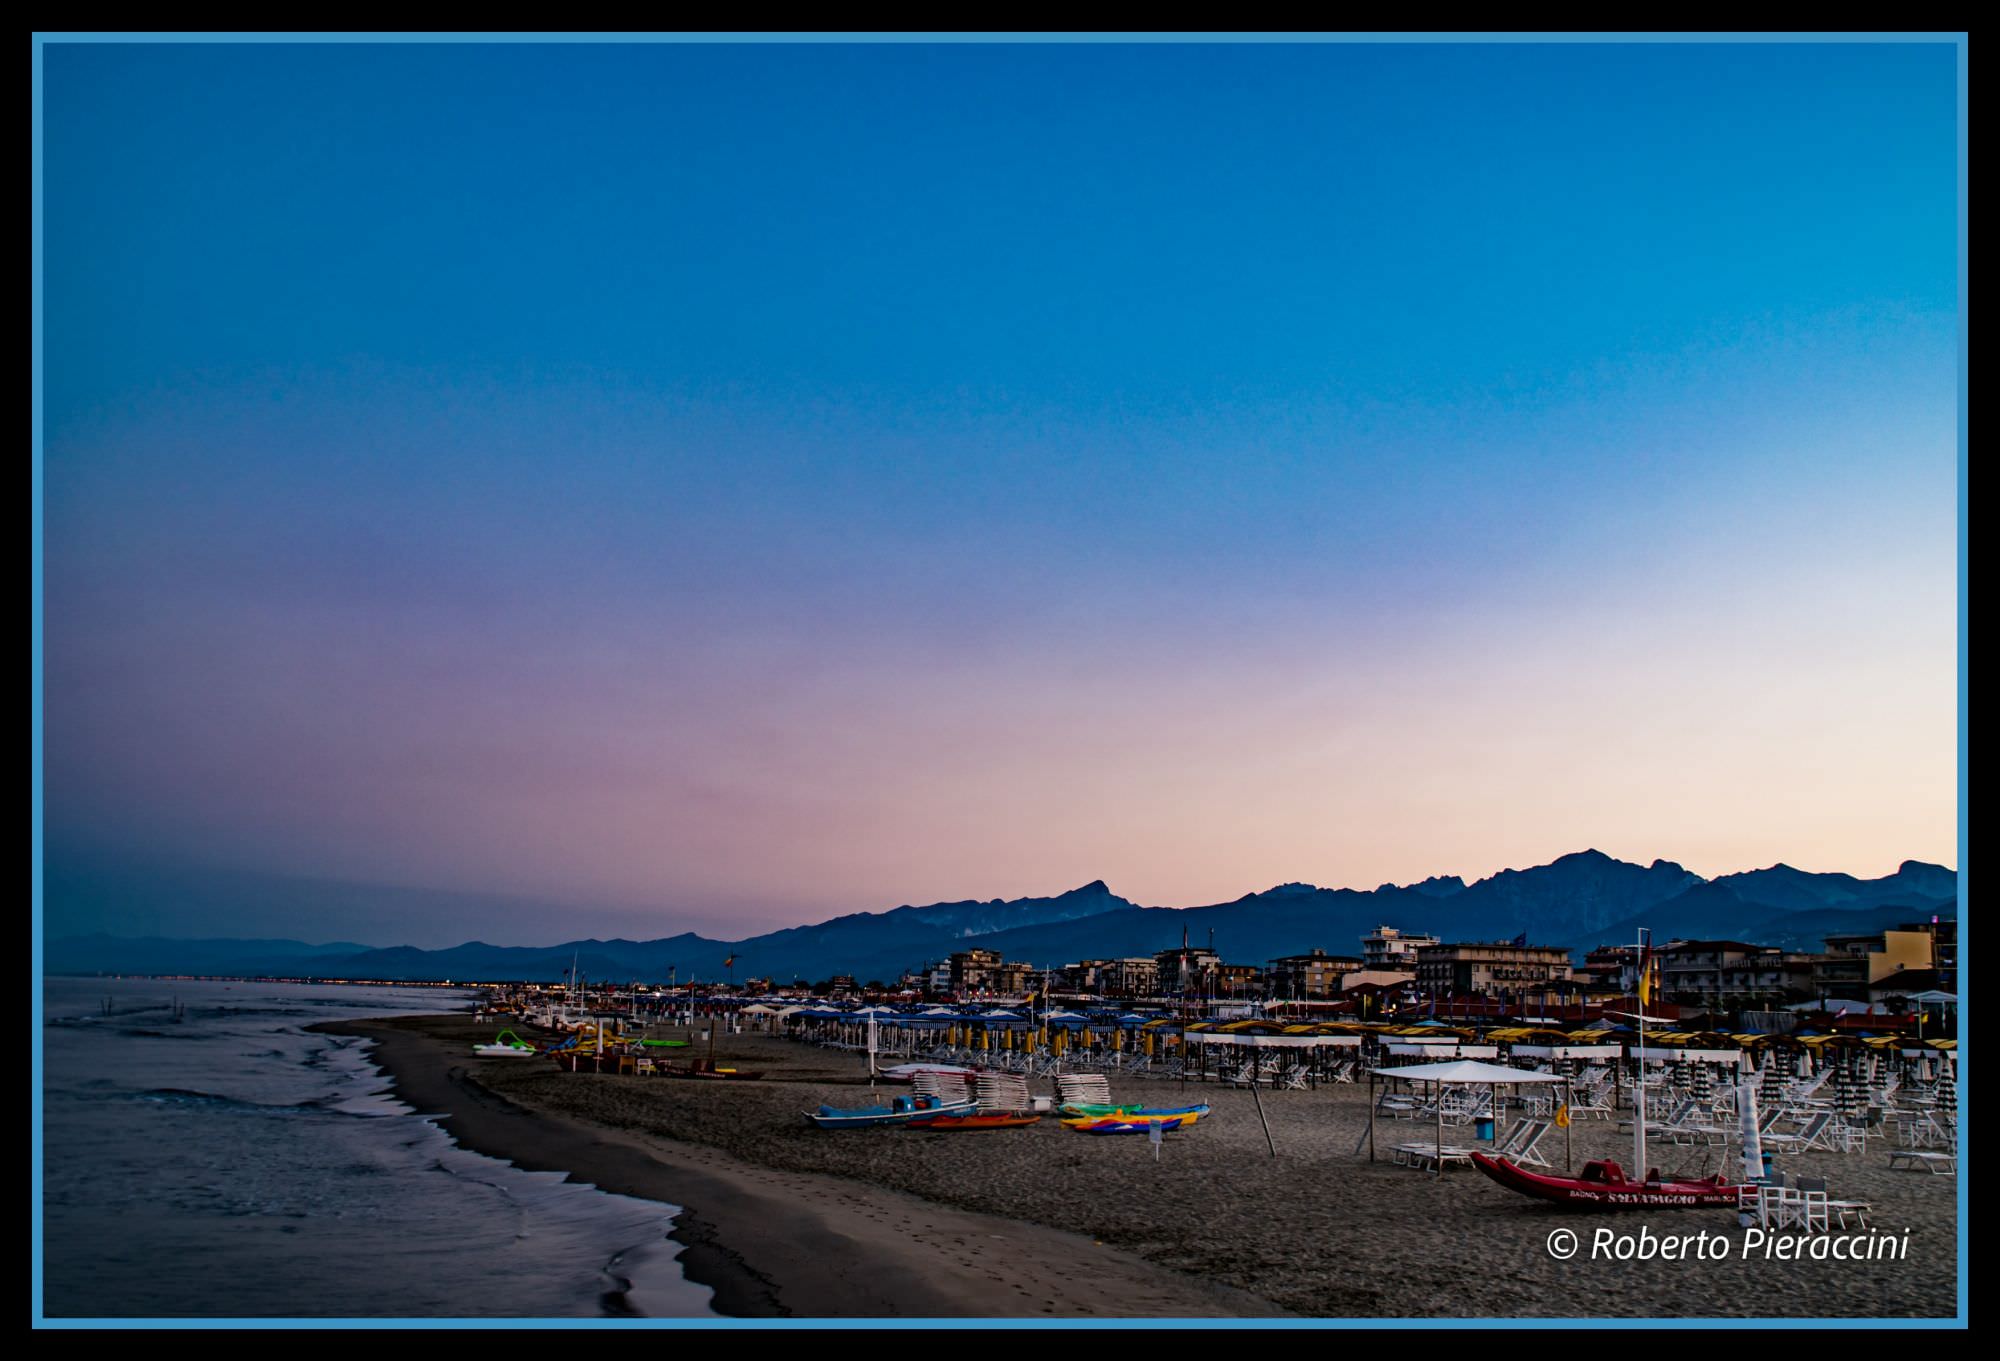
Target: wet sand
point(773, 1242)
point(783, 1219)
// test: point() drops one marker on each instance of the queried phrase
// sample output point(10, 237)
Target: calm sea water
point(231, 1165)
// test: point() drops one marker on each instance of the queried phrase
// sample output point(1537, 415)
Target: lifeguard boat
point(1604, 1186)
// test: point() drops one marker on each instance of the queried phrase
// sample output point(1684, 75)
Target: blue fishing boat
point(899, 1111)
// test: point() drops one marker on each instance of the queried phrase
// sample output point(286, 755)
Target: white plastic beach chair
point(1837, 1211)
point(1819, 1208)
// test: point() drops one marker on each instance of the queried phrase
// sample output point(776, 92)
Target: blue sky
point(709, 483)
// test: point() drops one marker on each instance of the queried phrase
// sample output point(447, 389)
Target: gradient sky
point(719, 487)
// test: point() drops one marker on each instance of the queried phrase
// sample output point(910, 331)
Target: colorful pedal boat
point(1087, 1111)
point(900, 1110)
point(1604, 1186)
point(1109, 1126)
point(506, 1045)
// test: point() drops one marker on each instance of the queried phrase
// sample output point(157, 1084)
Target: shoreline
point(773, 1243)
point(422, 1076)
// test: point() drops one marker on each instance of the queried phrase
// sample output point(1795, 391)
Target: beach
point(785, 1220)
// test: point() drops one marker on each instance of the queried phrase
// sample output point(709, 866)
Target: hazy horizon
point(747, 484)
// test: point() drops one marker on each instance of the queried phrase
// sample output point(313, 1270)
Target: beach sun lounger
point(1430, 1157)
point(1919, 1160)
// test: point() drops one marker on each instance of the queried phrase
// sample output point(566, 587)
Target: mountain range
point(1576, 901)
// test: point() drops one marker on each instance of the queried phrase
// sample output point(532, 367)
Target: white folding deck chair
point(1812, 1135)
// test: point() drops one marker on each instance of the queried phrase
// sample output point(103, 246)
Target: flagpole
point(1639, 1091)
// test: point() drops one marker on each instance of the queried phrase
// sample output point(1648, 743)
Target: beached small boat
point(1182, 1116)
point(506, 1045)
point(945, 1124)
point(1088, 1111)
point(900, 1110)
point(1604, 1186)
point(704, 1069)
point(1108, 1126)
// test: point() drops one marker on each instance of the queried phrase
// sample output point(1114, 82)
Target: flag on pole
point(1521, 939)
point(1645, 977)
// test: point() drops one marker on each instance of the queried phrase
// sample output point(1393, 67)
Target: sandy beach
point(785, 1220)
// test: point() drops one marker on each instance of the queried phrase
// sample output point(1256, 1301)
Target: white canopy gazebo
point(1454, 1073)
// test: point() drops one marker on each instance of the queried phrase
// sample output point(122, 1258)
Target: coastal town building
point(986, 971)
point(1237, 980)
point(1187, 970)
point(1944, 952)
point(1495, 969)
point(1012, 979)
point(1110, 977)
point(1854, 964)
point(1314, 974)
point(1138, 977)
point(970, 968)
point(1732, 974)
point(1610, 968)
point(1084, 978)
point(1387, 948)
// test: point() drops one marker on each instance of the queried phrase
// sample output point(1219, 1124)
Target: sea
point(204, 1156)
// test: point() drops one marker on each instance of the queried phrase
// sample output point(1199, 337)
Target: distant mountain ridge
point(102, 953)
point(1576, 901)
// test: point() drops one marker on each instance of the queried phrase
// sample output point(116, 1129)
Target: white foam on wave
point(279, 1175)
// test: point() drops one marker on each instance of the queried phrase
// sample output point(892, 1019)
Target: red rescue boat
point(1604, 1186)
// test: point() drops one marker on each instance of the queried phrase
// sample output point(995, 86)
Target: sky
point(658, 487)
